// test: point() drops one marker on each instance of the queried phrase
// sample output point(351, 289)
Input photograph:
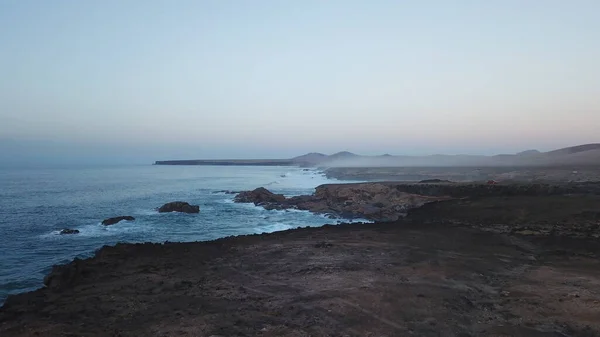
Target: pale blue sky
point(173, 79)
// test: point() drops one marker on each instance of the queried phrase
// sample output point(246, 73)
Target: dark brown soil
point(444, 271)
point(556, 215)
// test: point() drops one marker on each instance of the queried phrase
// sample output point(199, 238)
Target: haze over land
point(138, 81)
point(588, 154)
point(582, 155)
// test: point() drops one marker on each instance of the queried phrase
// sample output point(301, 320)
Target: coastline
point(484, 265)
point(38, 208)
point(229, 162)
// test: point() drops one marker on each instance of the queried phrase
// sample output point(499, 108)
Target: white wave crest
point(275, 227)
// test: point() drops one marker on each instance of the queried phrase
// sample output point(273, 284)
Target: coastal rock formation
point(478, 265)
point(226, 192)
point(64, 276)
point(179, 206)
point(260, 196)
point(434, 181)
point(460, 278)
point(389, 201)
point(112, 221)
point(69, 231)
point(373, 201)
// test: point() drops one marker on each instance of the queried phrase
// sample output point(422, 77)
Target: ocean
point(35, 204)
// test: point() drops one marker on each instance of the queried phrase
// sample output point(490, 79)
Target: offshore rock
point(260, 196)
point(179, 206)
point(69, 231)
point(117, 219)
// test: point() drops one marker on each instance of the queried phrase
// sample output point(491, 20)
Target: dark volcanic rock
point(372, 201)
point(434, 181)
point(64, 276)
point(436, 279)
point(259, 196)
point(390, 201)
point(179, 206)
point(323, 244)
point(112, 221)
point(226, 192)
point(69, 231)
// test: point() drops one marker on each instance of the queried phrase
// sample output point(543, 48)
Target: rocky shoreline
point(377, 202)
point(390, 201)
point(496, 260)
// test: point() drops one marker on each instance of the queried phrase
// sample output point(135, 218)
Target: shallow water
point(37, 203)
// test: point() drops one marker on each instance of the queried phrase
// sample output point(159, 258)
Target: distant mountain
point(575, 149)
point(528, 153)
point(588, 154)
point(310, 159)
point(342, 155)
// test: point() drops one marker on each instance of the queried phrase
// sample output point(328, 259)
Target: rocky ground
point(486, 265)
point(468, 174)
point(372, 201)
point(390, 201)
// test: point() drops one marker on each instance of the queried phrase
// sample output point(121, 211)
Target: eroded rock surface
point(117, 219)
point(259, 196)
point(524, 265)
point(393, 279)
point(179, 206)
point(69, 231)
point(372, 201)
point(389, 201)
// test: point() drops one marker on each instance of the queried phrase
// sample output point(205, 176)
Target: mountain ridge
point(585, 154)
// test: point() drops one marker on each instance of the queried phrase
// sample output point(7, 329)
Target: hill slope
point(587, 154)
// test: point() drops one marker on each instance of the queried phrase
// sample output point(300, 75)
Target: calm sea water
point(36, 203)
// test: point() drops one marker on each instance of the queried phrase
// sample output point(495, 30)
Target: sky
point(143, 80)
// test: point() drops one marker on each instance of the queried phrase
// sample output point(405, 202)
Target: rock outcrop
point(63, 276)
point(69, 231)
point(389, 201)
point(373, 201)
point(477, 266)
point(226, 192)
point(260, 196)
point(434, 181)
point(179, 206)
point(117, 219)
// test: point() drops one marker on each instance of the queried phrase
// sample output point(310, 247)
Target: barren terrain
point(465, 267)
point(468, 174)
